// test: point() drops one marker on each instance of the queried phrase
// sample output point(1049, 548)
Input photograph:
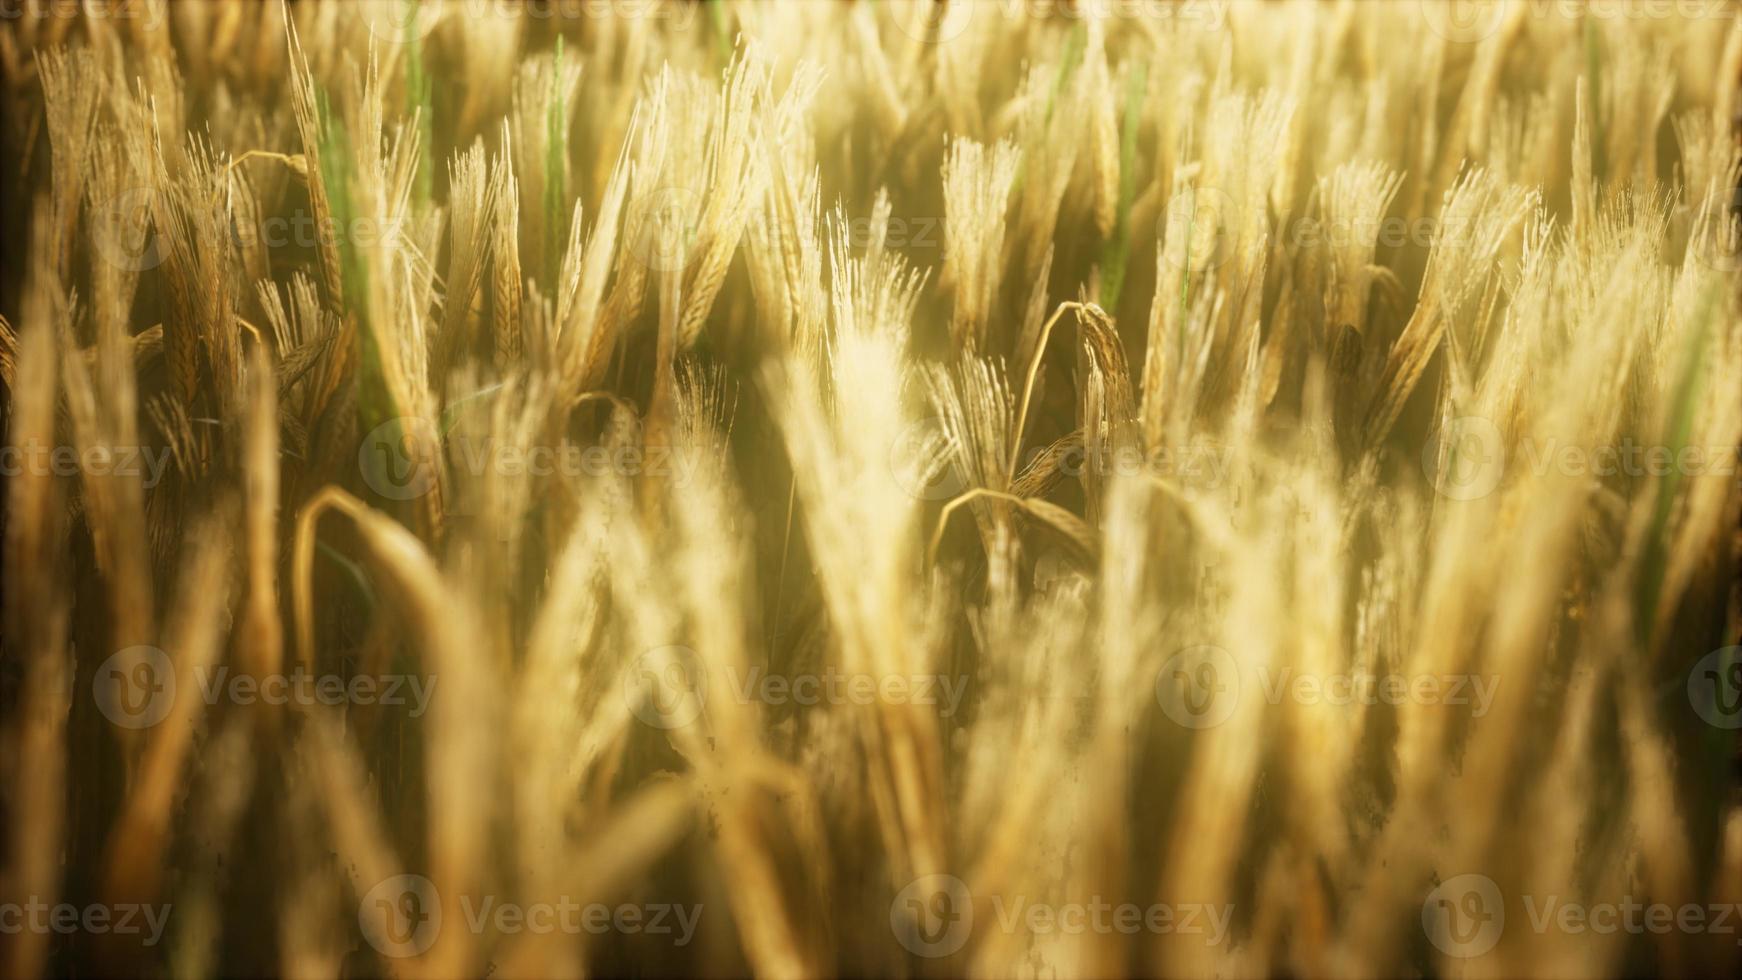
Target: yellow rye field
point(1045, 488)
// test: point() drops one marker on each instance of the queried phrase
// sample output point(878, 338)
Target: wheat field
point(1043, 488)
